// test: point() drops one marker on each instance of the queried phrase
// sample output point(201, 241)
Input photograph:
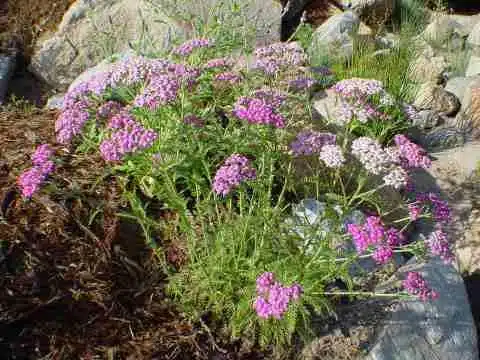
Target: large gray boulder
point(333, 37)
point(92, 30)
point(442, 329)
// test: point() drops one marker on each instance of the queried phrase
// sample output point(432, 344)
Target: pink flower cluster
point(257, 111)
point(271, 59)
point(273, 298)
point(411, 155)
point(128, 137)
point(31, 180)
point(374, 233)
point(189, 46)
point(232, 173)
point(311, 142)
point(416, 285)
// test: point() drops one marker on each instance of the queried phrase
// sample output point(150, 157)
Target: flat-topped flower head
point(273, 298)
point(161, 90)
point(271, 59)
point(257, 111)
point(224, 62)
point(232, 173)
point(411, 155)
point(42, 154)
point(311, 142)
point(396, 177)
point(358, 87)
point(438, 244)
point(229, 77)
point(30, 181)
point(189, 46)
point(109, 109)
point(416, 285)
point(371, 154)
point(332, 156)
point(129, 139)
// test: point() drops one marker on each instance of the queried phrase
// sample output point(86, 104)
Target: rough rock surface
point(468, 118)
point(93, 30)
point(473, 67)
point(7, 67)
point(434, 97)
point(442, 329)
point(474, 39)
point(333, 36)
point(426, 68)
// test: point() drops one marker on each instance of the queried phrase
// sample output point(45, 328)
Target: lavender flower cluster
point(439, 208)
point(232, 173)
point(109, 109)
point(311, 142)
point(31, 180)
point(273, 298)
point(373, 233)
point(189, 46)
point(128, 137)
point(129, 71)
point(161, 90)
point(271, 59)
point(356, 96)
point(416, 285)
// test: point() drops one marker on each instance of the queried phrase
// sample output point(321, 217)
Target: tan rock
point(434, 97)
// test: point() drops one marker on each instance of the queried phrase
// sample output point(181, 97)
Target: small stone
point(434, 334)
point(443, 138)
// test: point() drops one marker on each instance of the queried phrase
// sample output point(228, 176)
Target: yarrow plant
point(213, 146)
point(232, 173)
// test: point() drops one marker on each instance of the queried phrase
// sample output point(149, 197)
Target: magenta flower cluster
point(128, 137)
point(271, 59)
point(273, 298)
point(411, 155)
point(232, 173)
point(31, 180)
point(311, 142)
point(416, 285)
point(189, 46)
point(373, 233)
point(258, 111)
